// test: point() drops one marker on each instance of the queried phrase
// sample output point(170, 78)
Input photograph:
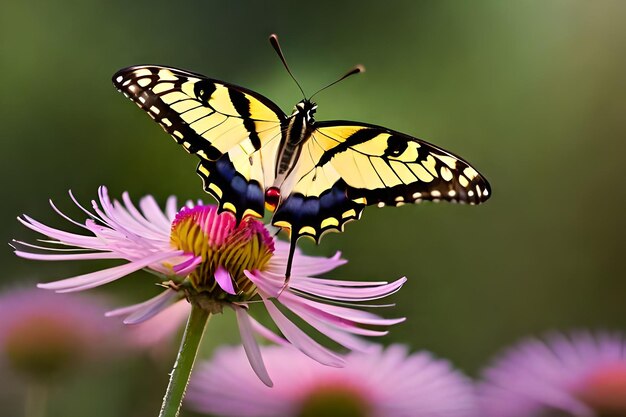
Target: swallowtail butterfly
point(314, 175)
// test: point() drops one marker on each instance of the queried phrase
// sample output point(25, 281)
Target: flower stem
point(179, 378)
point(36, 400)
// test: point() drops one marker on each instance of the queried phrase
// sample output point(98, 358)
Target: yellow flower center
point(221, 242)
point(44, 346)
point(335, 400)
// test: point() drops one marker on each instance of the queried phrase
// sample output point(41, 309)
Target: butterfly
point(315, 176)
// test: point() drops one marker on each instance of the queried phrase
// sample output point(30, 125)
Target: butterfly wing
point(346, 166)
point(234, 131)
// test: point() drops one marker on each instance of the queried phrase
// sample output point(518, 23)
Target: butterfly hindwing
point(214, 120)
point(346, 166)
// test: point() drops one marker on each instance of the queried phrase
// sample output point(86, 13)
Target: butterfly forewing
point(347, 165)
point(388, 167)
point(214, 120)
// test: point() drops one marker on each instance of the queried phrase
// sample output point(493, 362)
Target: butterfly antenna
point(276, 46)
point(357, 69)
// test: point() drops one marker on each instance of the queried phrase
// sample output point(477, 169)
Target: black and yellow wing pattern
point(341, 168)
point(234, 131)
point(346, 166)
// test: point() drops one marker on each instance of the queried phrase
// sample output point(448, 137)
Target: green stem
point(179, 378)
point(36, 400)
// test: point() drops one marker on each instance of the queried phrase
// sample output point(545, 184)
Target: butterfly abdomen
point(296, 133)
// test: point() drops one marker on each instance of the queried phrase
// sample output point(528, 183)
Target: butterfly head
point(305, 109)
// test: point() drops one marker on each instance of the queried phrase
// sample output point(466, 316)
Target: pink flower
point(212, 260)
point(583, 375)
point(43, 335)
point(381, 383)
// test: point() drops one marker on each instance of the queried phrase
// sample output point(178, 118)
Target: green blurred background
point(531, 92)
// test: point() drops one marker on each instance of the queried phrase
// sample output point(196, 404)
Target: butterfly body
point(315, 176)
point(297, 131)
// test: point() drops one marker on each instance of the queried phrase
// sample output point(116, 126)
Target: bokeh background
point(531, 92)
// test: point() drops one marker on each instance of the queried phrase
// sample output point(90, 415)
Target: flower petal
point(165, 323)
point(61, 235)
point(333, 292)
point(171, 208)
point(66, 257)
point(187, 267)
point(223, 279)
point(267, 333)
point(303, 265)
point(251, 346)
point(153, 213)
point(301, 340)
point(141, 312)
point(94, 279)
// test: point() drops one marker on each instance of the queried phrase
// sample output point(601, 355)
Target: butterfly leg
point(292, 250)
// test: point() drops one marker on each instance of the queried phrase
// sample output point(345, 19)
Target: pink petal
point(153, 213)
point(343, 338)
point(87, 212)
point(267, 333)
point(251, 346)
point(340, 314)
point(66, 237)
point(343, 283)
point(171, 208)
point(302, 264)
point(350, 293)
point(138, 226)
point(60, 213)
point(270, 287)
point(187, 267)
point(301, 340)
point(337, 323)
point(67, 257)
point(153, 331)
point(94, 279)
point(141, 312)
point(223, 279)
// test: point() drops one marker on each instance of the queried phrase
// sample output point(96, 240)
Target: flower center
point(604, 390)
point(223, 245)
point(43, 346)
point(335, 400)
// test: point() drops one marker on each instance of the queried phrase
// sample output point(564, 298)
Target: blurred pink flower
point(381, 383)
point(43, 335)
point(583, 375)
point(217, 262)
